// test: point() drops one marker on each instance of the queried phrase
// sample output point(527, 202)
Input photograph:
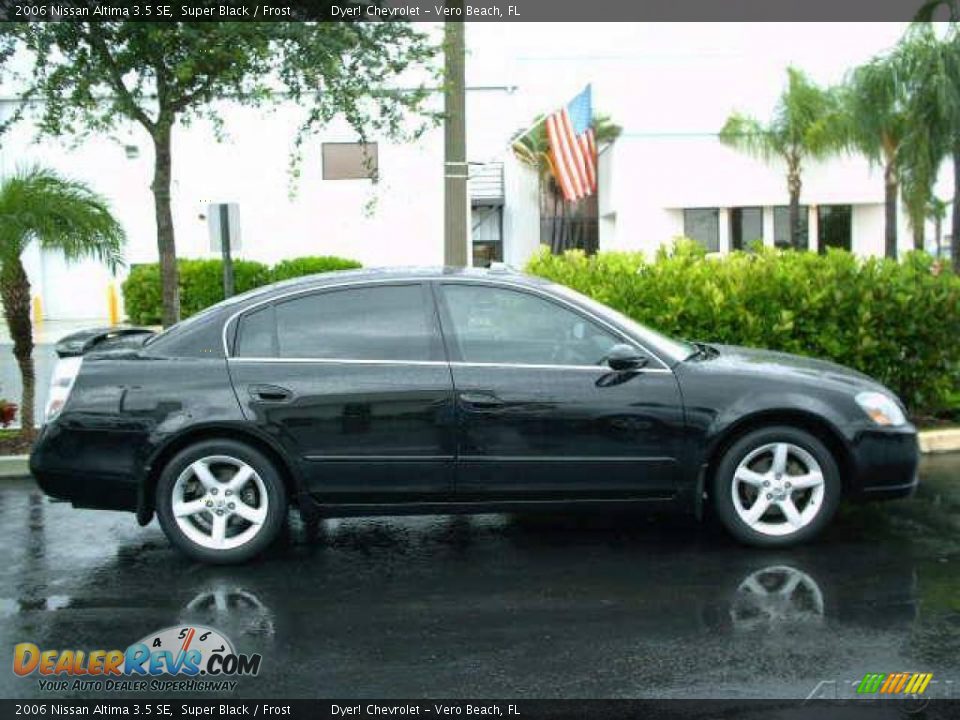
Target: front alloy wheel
point(220, 501)
point(776, 486)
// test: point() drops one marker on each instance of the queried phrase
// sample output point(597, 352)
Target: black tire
point(722, 488)
point(276, 496)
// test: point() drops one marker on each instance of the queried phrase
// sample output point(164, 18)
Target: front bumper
point(885, 462)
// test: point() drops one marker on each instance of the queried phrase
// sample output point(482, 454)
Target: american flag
point(573, 147)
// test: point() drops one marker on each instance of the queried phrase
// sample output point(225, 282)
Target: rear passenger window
point(393, 322)
point(255, 334)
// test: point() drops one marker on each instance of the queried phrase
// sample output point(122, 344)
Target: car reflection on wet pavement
point(509, 606)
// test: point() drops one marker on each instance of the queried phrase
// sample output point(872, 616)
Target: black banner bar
point(474, 11)
point(928, 709)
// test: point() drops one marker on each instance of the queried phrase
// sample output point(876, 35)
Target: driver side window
point(498, 325)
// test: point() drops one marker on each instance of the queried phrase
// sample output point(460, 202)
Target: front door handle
point(270, 393)
point(480, 400)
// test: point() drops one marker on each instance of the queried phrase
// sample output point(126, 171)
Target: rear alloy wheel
point(776, 486)
point(221, 501)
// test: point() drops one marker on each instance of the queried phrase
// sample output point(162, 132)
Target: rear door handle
point(480, 400)
point(270, 393)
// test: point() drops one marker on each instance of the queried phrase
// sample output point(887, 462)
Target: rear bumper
point(56, 463)
point(885, 462)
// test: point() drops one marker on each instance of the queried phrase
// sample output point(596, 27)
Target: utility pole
point(455, 170)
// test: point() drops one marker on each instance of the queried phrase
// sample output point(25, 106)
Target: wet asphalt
point(504, 606)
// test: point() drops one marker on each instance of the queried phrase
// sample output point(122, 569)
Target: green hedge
point(298, 267)
point(897, 322)
point(201, 283)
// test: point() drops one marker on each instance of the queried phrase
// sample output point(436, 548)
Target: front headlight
point(882, 409)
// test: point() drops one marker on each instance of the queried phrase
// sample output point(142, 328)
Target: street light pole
point(455, 206)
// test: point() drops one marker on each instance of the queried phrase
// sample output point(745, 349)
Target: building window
point(781, 227)
point(486, 228)
point(350, 161)
point(746, 227)
point(834, 223)
point(703, 225)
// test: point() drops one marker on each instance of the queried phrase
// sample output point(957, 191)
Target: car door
point(353, 383)
point(539, 414)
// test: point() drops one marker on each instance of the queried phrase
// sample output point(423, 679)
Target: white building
point(671, 87)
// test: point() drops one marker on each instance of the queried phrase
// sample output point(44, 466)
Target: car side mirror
point(625, 357)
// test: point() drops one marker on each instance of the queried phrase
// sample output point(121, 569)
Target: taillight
point(64, 374)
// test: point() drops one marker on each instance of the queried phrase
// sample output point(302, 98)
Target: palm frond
point(750, 136)
point(61, 214)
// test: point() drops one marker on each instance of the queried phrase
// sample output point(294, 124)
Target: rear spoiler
point(83, 341)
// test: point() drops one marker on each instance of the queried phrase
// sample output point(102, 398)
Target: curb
point(940, 441)
point(14, 466)
point(932, 442)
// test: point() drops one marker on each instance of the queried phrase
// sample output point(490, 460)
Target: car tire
point(776, 486)
point(221, 501)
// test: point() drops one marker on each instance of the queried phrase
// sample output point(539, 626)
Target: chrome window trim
point(443, 280)
point(337, 361)
point(444, 363)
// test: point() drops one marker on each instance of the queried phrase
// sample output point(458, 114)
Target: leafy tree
point(91, 76)
point(807, 123)
point(37, 205)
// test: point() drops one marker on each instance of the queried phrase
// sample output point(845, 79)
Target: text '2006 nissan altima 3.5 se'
point(436, 391)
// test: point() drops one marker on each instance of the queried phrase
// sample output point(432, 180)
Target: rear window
point(256, 334)
point(394, 322)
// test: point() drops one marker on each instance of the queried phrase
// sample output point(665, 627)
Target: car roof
point(265, 293)
point(338, 277)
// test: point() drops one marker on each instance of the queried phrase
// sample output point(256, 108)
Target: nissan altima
point(453, 391)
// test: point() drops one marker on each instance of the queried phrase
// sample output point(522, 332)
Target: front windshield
point(674, 350)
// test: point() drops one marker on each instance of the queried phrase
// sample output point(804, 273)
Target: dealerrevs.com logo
point(201, 658)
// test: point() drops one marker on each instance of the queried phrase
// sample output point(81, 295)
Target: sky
point(666, 77)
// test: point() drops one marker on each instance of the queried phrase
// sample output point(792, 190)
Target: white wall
point(396, 221)
point(521, 213)
point(647, 181)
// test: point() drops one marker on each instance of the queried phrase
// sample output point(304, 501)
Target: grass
point(10, 444)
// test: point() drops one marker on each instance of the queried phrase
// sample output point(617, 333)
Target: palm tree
point(806, 124)
point(933, 128)
point(532, 148)
point(39, 205)
point(876, 116)
point(937, 211)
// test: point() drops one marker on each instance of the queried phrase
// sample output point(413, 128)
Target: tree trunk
point(938, 234)
point(794, 185)
point(15, 294)
point(890, 211)
point(166, 243)
point(955, 219)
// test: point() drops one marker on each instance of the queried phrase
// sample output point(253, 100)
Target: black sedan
point(440, 391)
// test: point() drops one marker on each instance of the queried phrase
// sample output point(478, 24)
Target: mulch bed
point(14, 445)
